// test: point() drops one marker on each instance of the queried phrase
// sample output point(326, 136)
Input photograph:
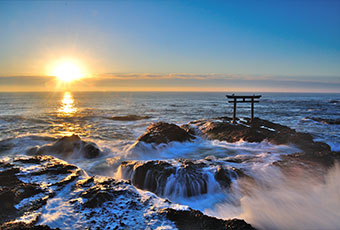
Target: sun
point(67, 71)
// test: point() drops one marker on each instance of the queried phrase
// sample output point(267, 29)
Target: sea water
point(35, 119)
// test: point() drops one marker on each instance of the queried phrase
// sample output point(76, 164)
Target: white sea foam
point(255, 159)
point(282, 202)
point(201, 148)
point(63, 212)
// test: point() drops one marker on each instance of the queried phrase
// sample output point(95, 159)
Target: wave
point(200, 148)
point(21, 144)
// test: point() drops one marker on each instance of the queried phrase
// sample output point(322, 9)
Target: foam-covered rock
point(193, 219)
point(43, 192)
point(21, 188)
point(67, 146)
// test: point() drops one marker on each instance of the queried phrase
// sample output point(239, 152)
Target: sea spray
point(287, 202)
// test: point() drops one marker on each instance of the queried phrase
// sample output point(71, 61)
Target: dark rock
point(261, 130)
point(66, 146)
point(334, 101)
point(7, 199)
point(4, 146)
point(129, 118)
point(12, 191)
point(151, 175)
point(188, 177)
point(162, 132)
point(257, 131)
point(56, 170)
point(223, 177)
point(226, 131)
point(25, 226)
point(324, 158)
point(35, 160)
point(91, 150)
point(96, 197)
point(325, 121)
point(8, 177)
point(193, 219)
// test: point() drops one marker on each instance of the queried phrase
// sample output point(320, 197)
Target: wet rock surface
point(192, 219)
point(35, 188)
point(261, 130)
point(20, 190)
point(162, 132)
point(179, 178)
point(223, 129)
point(151, 175)
point(25, 226)
point(67, 146)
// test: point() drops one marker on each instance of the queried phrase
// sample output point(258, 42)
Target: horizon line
point(163, 91)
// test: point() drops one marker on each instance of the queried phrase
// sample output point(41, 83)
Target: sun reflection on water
point(70, 118)
point(67, 107)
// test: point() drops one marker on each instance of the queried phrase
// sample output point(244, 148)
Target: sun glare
point(67, 106)
point(67, 71)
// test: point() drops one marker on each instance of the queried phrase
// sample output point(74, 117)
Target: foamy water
point(271, 200)
point(281, 202)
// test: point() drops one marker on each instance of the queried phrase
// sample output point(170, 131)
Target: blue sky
point(295, 40)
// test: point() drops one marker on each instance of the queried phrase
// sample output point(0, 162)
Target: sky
point(260, 46)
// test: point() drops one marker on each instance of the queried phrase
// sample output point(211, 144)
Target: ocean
point(115, 120)
point(88, 114)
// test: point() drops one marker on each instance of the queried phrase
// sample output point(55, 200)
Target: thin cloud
point(181, 81)
point(212, 76)
point(183, 76)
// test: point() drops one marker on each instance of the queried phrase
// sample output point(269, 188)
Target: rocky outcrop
point(150, 175)
point(25, 226)
point(334, 101)
point(224, 130)
point(261, 130)
point(67, 146)
point(129, 118)
point(162, 132)
point(20, 190)
point(32, 189)
point(325, 121)
point(178, 178)
point(192, 219)
point(258, 130)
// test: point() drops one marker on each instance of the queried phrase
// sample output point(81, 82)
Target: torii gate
point(243, 99)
